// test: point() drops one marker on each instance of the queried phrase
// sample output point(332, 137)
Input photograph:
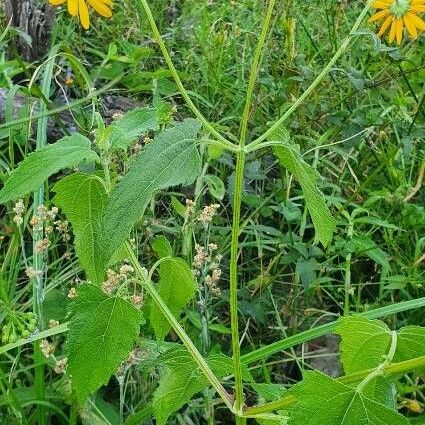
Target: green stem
point(276, 347)
point(193, 351)
point(237, 201)
point(342, 49)
point(183, 91)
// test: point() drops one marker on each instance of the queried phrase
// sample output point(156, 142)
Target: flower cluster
point(206, 264)
point(19, 209)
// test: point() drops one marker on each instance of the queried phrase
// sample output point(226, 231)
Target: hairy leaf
point(182, 379)
point(83, 197)
point(102, 331)
point(291, 159)
point(172, 159)
point(131, 126)
point(176, 287)
point(38, 166)
point(323, 400)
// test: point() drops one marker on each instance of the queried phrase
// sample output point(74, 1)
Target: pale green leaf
point(162, 247)
point(38, 166)
point(102, 332)
point(176, 287)
point(323, 400)
point(127, 129)
point(364, 343)
point(83, 197)
point(410, 343)
point(172, 159)
point(323, 221)
point(181, 380)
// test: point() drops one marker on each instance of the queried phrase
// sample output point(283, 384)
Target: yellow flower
point(79, 7)
point(398, 14)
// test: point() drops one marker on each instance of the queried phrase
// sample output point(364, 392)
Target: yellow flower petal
point(84, 14)
point(56, 2)
point(101, 8)
point(417, 21)
point(399, 35)
point(385, 26)
point(393, 31)
point(73, 7)
point(380, 15)
point(411, 29)
point(418, 9)
point(381, 4)
point(416, 2)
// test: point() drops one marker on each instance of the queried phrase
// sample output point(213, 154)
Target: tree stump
point(35, 18)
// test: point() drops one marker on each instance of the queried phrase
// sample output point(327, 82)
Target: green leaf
point(131, 126)
point(102, 331)
point(176, 287)
point(172, 159)
point(181, 380)
point(323, 400)
point(410, 343)
point(55, 305)
point(291, 159)
point(162, 247)
point(38, 166)
point(215, 186)
point(83, 197)
point(99, 412)
point(364, 342)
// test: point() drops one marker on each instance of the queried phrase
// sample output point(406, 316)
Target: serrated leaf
point(176, 287)
point(364, 342)
point(102, 331)
point(38, 166)
point(323, 221)
point(83, 197)
point(323, 400)
point(181, 380)
point(172, 159)
point(127, 129)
